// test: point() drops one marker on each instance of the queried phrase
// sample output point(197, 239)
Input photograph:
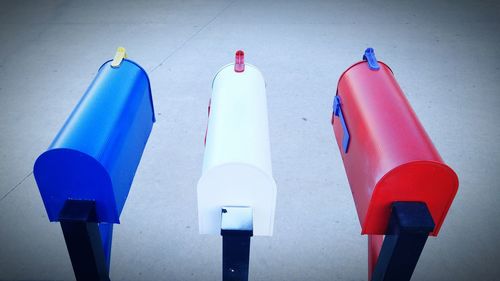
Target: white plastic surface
point(237, 162)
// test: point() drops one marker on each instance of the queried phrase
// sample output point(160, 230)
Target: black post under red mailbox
point(387, 155)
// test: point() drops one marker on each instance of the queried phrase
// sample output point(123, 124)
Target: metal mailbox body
point(237, 168)
point(96, 153)
point(387, 154)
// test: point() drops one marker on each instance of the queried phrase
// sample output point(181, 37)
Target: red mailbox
point(387, 154)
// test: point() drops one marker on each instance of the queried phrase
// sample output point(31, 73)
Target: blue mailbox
point(95, 155)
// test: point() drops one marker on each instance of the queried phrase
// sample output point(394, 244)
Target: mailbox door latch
point(337, 111)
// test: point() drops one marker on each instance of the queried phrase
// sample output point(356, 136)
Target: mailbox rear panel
point(97, 151)
point(390, 156)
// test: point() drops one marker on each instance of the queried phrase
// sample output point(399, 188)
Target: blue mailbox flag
point(96, 153)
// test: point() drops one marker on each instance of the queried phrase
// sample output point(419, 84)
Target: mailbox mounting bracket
point(409, 226)
point(236, 231)
point(88, 242)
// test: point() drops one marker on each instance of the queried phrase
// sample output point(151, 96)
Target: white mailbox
point(237, 161)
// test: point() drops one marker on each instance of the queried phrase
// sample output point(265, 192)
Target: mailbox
point(387, 154)
point(237, 161)
point(96, 153)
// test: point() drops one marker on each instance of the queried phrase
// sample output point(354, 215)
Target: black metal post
point(409, 226)
point(83, 239)
point(236, 230)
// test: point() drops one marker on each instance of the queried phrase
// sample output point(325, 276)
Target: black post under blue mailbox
point(85, 175)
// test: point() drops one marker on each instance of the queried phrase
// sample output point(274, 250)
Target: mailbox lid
point(111, 125)
point(63, 173)
point(419, 181)
point(387, 139)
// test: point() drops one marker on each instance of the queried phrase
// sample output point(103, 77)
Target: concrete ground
point(445, 55)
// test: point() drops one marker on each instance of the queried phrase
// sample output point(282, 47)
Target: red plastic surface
point(390, 156)
point(239, 62)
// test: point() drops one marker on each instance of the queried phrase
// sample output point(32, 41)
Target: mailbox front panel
point(97, 151)
point(387, 154)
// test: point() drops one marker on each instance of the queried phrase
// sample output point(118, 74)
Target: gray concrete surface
point(444, 55)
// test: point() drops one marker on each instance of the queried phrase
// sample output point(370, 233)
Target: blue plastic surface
point(369, 56)
point(337, 111)
point(106, 230)
point(96, 153)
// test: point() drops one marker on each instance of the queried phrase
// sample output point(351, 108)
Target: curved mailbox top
point(238, 129)
point(387, 154)
point(96, 153)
